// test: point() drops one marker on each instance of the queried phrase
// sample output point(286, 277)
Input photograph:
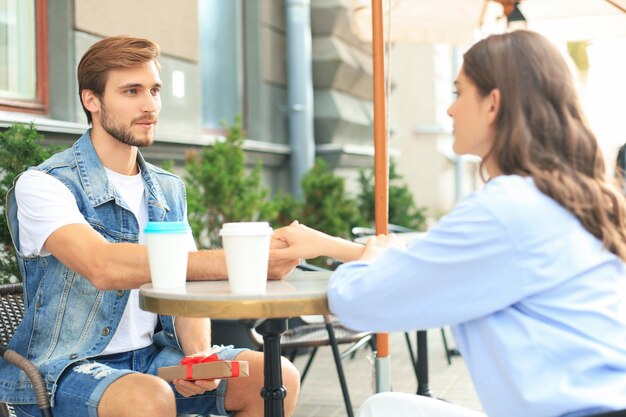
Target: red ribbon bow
point(190, 361)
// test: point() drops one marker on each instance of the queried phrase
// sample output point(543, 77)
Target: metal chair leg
point(308, 364)
point(339, 366)
point(409, 345)
point(292, 354)
point(445, 346)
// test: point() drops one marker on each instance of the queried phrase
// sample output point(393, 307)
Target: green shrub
point(20, 148)
point(402, 208)
point(219, 190)
point(325, 206)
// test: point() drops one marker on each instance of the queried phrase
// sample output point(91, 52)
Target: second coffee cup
point(246, 247)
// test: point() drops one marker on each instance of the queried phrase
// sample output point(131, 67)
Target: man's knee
point(291, 382)
point(138, 395)
point(244, 394)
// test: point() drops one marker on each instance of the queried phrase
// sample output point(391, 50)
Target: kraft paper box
point(207, 370)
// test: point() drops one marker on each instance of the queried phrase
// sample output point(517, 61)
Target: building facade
point(226, 58)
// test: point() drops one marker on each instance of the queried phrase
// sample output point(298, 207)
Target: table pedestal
point(423, 386)
point(420, 362)
point(273, 390)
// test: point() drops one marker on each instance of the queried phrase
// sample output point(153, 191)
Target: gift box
point(204, 368)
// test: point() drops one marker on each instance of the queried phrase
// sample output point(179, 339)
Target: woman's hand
point(299, 241)
point(304, 242)
point(376, 244)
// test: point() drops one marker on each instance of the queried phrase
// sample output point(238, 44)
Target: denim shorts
point(82, 384)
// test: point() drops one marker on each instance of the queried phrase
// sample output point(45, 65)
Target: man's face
point(130, 104)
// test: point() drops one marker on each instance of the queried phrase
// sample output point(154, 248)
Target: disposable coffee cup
point(247, 250)
point(168, 250)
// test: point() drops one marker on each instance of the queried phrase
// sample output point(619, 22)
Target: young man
point(77, 222)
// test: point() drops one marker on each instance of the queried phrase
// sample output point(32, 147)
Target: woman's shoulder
point(517, 202)
point(510, 190)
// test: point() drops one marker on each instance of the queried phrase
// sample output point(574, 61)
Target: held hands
point(299, 241)
point(279, 266)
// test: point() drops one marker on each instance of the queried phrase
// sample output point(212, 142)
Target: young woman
point(529, 270)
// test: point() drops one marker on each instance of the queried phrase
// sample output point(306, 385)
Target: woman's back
point(561, 343)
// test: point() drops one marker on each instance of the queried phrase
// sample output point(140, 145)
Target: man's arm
point(120, 265)
point(194, 334)
point(125, 265)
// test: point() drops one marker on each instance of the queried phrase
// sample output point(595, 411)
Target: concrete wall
point(180, 115)
point(421, 129)
point(342, 77)
point(74, 25)
point(172, 24)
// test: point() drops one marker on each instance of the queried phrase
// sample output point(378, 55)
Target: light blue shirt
point(537, 305)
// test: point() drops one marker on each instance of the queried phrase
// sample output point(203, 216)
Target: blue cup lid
point(167, 227)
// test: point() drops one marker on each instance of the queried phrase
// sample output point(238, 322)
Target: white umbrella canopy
point(462, 22)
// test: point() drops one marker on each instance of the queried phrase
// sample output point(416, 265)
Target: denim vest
point(66, 318)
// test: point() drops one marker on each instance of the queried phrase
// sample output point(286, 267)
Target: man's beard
point(123, 134)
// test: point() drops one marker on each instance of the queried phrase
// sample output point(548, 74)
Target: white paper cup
point(247, 250)
point(168, 250)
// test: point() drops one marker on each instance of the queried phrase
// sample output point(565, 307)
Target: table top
point(300, 293)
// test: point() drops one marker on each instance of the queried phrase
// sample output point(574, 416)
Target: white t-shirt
point(45, 204)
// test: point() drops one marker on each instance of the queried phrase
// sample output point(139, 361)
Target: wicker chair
point(11, 313)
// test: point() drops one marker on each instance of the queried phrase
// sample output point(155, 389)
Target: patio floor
point(321, 394)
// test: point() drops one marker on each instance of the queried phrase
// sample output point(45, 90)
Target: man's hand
point(197, 387)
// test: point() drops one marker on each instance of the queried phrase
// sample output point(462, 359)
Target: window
point(23, 55)
point(221, 61)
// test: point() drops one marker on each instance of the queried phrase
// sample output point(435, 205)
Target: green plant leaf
point(20, 148)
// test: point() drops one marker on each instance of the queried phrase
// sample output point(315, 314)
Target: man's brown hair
point(108, 54)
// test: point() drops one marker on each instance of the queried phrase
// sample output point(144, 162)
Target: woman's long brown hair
point(541, 130)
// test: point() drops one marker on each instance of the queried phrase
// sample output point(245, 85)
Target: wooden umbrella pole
point(381, 170)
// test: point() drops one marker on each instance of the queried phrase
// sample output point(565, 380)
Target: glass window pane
point(220, 61)
point(18, 66)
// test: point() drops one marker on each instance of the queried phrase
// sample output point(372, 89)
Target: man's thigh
point(81, 386)
point(79, 390)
